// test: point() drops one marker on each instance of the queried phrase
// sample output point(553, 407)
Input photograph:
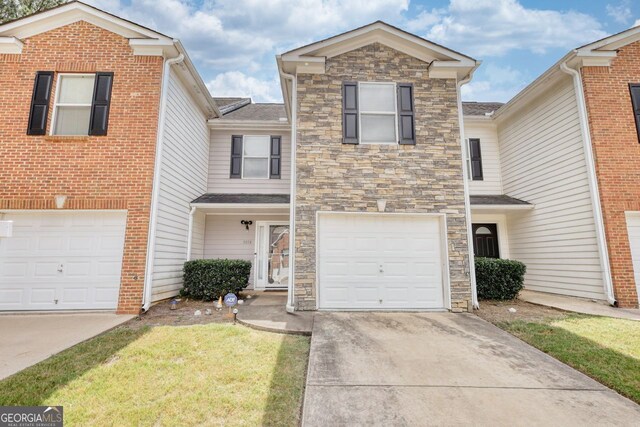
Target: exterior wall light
point(246, 223)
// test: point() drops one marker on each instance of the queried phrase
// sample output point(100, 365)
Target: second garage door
point(62, 260)
point(633, 227)
point(380, 262)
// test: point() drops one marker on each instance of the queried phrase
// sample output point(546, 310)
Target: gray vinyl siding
point(492, 180)
point(183, 177)
point(219, 166)
point(225, 237)
point(543, 162)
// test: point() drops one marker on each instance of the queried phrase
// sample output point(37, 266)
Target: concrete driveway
point(26, 339)
point(443, 369)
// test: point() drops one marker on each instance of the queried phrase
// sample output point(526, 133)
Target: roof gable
point(143, 40)
point(311, 58)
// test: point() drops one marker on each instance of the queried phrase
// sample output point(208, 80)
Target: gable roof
point(143, 41)
point(472, 108)
point(261, 112)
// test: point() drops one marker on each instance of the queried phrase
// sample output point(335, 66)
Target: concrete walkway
point(266, 311)
point(26, 339)
point(444, 369)
point(578, 305)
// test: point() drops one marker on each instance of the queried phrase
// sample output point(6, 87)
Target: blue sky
point(234, 42)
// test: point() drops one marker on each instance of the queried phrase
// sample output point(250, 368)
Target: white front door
point(380, 261)
point(272, 255)
point(633, 228)
point(62, 260)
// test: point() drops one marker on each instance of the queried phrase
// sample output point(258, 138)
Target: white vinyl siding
point(489, 148)
point(183, 177)
point(197, 239)
point(543, 162)
point(225, 237)
point(220, 164)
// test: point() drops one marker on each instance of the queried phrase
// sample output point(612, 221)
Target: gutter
point(292, 205)
point(190, 232)
point(593, 183)
point(153, 222)
point(467, 199)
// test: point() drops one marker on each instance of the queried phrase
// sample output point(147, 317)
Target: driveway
point(443, 368)
point(27, 339)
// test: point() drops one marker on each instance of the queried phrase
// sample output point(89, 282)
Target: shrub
point(499, 279)
point(208, 279)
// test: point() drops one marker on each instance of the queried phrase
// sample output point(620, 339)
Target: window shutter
point(276, 155)
point(406, 114)
point(635, 102)
point(40, 103)
point(236, 156)
point(100, 105)
point(350, 113)
point(476, 159)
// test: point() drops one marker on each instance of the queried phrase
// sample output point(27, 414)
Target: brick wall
point(332, 176)
point(101, 172)
point(617, 153)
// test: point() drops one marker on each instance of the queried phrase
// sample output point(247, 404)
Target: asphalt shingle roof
point(242, 198)
point(500, 199)
point(262, 112)
point(480, 108)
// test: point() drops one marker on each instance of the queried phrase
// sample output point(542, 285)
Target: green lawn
point(215, 374)
point(606, 349)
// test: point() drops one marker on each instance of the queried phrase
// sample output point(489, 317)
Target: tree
point(14, 9)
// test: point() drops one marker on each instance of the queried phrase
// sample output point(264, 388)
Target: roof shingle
point(480, 108)
point(260, 112)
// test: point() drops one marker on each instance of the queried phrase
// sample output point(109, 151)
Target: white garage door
point(383, 261)
point(633, 226)
point(62, 260)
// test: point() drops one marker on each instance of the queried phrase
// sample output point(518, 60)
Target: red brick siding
point(617, 154)
point(102, 172)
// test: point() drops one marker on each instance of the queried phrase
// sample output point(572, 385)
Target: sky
point(234, 42)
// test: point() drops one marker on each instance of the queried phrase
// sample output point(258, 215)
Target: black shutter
point(275, 157)
point(350, 113)
point(406, 115)
point(476, 159)
point(100, 105)
point(40, 103)
point(236, 156)
point(635, 102)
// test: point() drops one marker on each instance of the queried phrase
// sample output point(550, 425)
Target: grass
point(604, 348)
point(215, 374)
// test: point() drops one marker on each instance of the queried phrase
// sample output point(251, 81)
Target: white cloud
point(495, 83)
point(635, 24)
point(236, 83)
point(494, 27)
point(620, 12)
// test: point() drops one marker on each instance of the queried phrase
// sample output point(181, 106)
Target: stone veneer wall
point(332, 176)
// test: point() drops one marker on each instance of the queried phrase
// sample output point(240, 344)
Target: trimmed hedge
point(208, 279)
point(499, 279)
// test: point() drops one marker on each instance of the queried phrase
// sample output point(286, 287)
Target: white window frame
point(386, 113)
point(56, 104)
point(257, 157)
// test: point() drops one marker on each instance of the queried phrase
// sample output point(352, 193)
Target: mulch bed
point(498, 311)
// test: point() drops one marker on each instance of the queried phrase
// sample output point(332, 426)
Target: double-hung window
point(378, 115)
point(255, 156)
point(72, 106)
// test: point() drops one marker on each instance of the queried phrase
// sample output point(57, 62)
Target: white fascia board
point(502, 207)
point(10, 45)
point(216, 206)
point(614, 42)
point(196, 85)
point(74, 12)
point(153, 47)
point(222, 124)
point(479, 120)
point(450, 69)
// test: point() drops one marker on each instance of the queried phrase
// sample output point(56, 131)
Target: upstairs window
point(72, 105)
point(255, 156)
point(378, 113)
point(634, 88)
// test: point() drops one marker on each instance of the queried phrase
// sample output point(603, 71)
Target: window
point(255, 156)
point(378, 120)
point(474, 159)
point(72, 106)
point(635, 104)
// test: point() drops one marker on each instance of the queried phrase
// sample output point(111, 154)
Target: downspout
point(467, 200)
point(593, 182)
point(153, 222)
point(292, 197)
point(190, 232)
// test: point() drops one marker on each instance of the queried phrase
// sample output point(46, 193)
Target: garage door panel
point(633, 229)
point(396, 259)
point(74, 258)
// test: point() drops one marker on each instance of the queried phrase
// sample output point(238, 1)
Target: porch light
point(246, 223)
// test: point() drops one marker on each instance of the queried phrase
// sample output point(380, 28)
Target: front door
point(272, 255)
point(485, 241)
